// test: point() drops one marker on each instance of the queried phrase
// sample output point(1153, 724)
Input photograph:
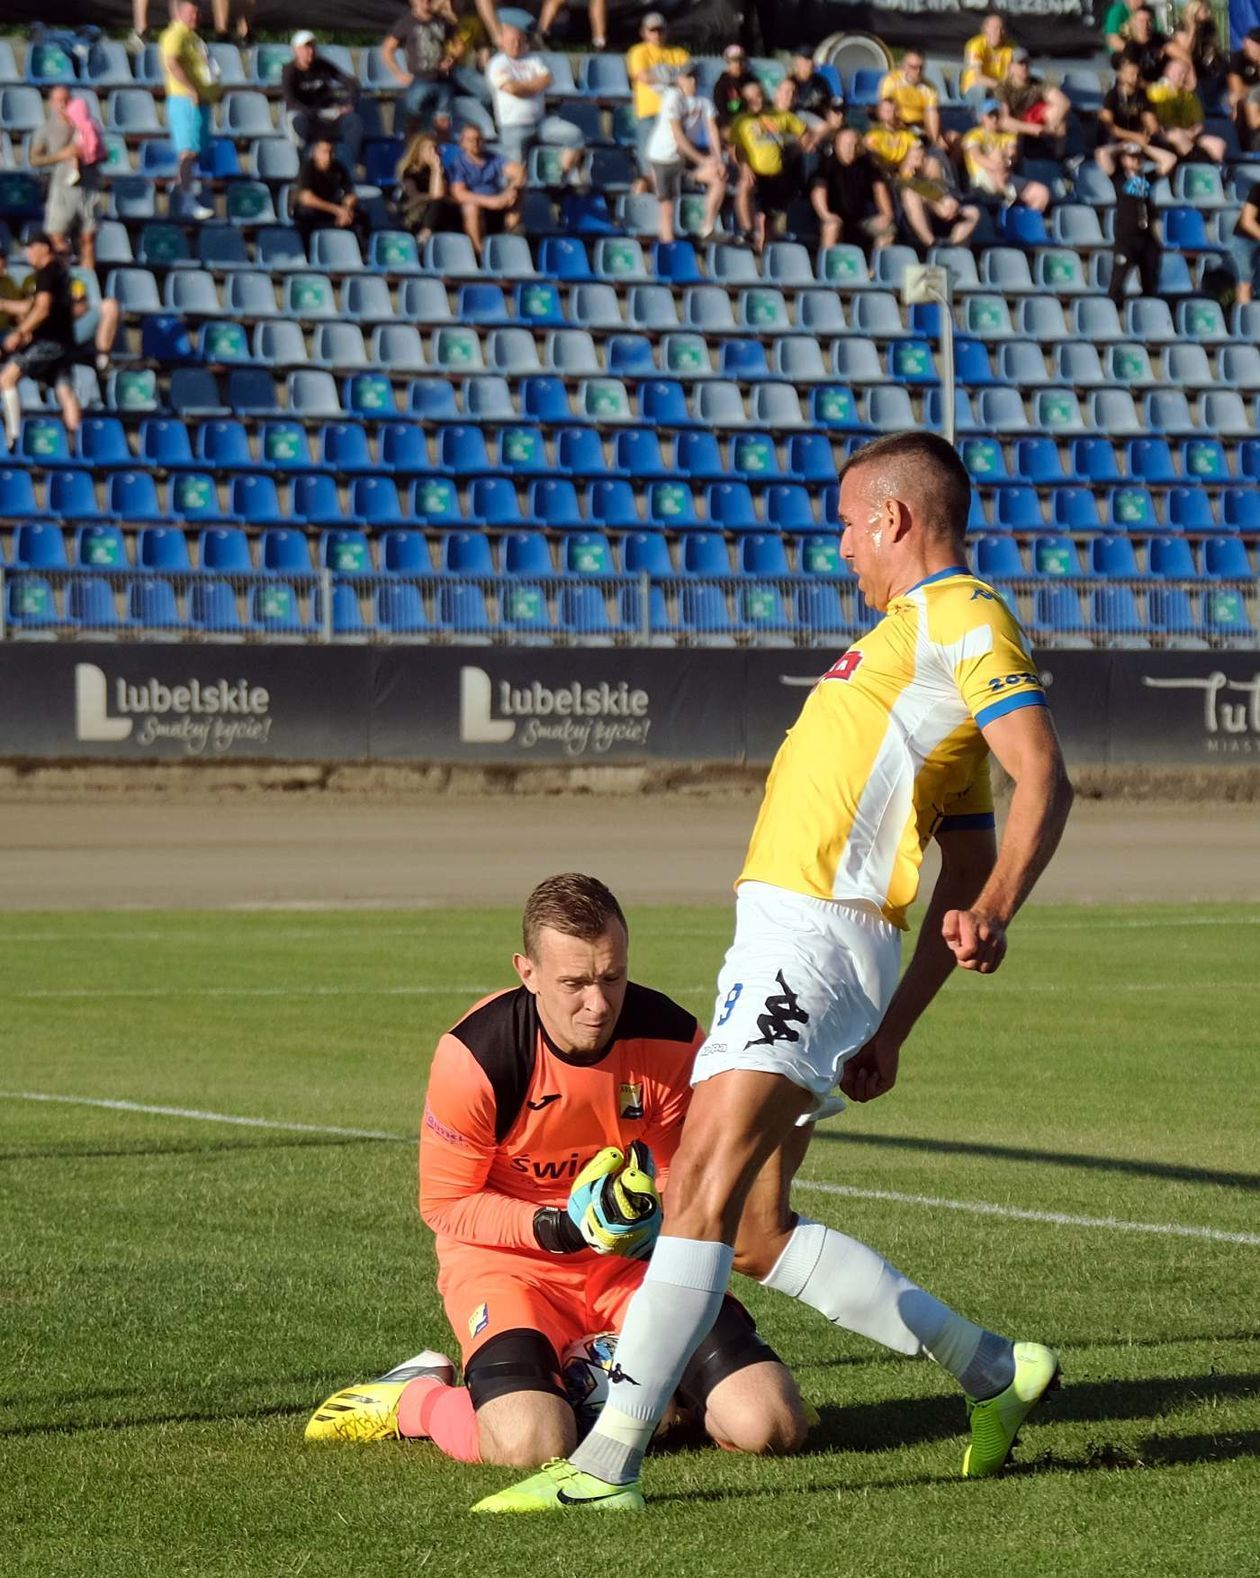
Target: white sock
point(12, 415)
point(855, 1288)
point(670, 1315)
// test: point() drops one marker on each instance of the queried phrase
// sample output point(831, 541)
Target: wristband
point(556, 1233)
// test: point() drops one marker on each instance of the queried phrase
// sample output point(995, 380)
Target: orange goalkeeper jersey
point(510, 1120)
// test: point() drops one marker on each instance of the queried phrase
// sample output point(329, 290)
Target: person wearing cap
point(986, 60)
point(989, 154)
point(320, 97)
point(1031, 108)
point(42, 344)
point(651, 64)
point(1137, 243)
point(1242, 90)
point(685, 141)
point(918, 102)
point(728, 90)
point(1179, 111)
point(813, 91)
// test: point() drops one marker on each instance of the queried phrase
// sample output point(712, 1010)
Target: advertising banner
point(514, 705)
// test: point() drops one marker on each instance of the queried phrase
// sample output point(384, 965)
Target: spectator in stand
point(1145, 44)
point(917, 101)
point(476, 20)
point(684, 141)
point(1244, 247)
point(888, 140)
point(1179, 111)
point(426, 39)
point(325, 197)
point(986, 60)
point(598, 10)
point(96, 323)
point(42, 346)
point(1126, 114)
point(851, 197)
point(1116, 23)
point(486, 186)
point(519, 82)
point(1030, 108)
point(1197, 42)
point(73, 186)
point(813, 91)
point(729, 89)
point(990, 154)
point(769, 145)
point(221, 11)
point(424, 200)
point(1137, 243)
point(319, 97)
point(191, 90)
point(929, 210)
point(1242, 87)
point(652, 64)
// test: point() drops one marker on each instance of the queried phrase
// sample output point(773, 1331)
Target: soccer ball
point(584, 1367)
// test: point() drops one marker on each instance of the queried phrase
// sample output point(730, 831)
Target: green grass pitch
point(176, 1295)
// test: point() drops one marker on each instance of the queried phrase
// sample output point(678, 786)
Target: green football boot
point(995, 1422)
point(558, 1486)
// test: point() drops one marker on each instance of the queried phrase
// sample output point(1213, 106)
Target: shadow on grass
point(1173, 1171)
point(223, 1416)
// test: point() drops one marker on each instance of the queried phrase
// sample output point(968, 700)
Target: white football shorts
point(805, 983)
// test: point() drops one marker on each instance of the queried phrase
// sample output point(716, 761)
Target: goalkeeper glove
point(613, 1207)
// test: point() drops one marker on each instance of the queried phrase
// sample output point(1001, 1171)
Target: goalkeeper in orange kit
point(552, 1113)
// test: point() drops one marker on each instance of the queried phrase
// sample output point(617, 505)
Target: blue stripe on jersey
point(999, 709)
point(974, 821)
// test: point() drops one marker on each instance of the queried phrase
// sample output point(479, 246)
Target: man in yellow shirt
point(191, 89)
point(889, 140)
point(768, 146)
point(890, 751)
point(1179, 111)
point(986, 60)
point(651, 66)
point(917, 101)
point(990, 153)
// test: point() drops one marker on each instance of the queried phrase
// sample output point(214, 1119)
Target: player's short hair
point(935, 460)
point(573, 904)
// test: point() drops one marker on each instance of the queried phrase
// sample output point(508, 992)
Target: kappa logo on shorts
point(781, 1013)
point(479, 1320)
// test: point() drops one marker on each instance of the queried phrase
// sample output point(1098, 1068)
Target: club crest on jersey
point(479, 1320)
point(846, 665)
point(630, 1101)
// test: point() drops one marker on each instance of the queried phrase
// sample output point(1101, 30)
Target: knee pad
point(521, 1360)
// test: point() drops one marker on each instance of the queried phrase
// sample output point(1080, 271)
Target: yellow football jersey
point(888, 750)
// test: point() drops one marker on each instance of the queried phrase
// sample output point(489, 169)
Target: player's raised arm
point(1025, 743)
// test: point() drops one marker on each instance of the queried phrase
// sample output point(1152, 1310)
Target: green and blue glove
point(613, 1208)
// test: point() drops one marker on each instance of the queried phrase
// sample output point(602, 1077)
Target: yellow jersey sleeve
point(993, 668)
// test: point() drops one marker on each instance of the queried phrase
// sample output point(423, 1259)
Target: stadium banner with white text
point(141, 701)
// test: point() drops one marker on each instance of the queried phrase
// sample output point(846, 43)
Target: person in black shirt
point(851, 196)
point(429, 46)
point(318, 97)
point(325, 195)
point(1146, 45)
point(813, 91)
point(1242, 86)
point(1137, 243)
point(42, 346)
point(728, 90)
point(1126, 114)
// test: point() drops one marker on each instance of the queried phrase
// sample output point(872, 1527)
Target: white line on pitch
point(932, 1202)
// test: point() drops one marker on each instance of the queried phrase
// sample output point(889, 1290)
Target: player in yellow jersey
point(891, 749)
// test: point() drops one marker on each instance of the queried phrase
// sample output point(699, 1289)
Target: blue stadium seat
point(663, 404)
point(343, 448)
point(100, 546)
point(375, 500)
point(1055, 557)
point(462, 610)
point(1187, 367)
point(1225, 617)
point(285, 551)
point(730, 505)
point(1076, 509)
point(404, 552)
point(704, 553)
point(284, 447)
point(399, 609)
point(90, 604)
point(1116, 615)
point(194, 498)
point(697, 455)
point(1130, 509)
point(1113, 558)
point(1151, 460)
point(151, 605)
point(671, 505)
point(32, 604)
point(255, 500)
point(345, 551)
point(1056, 613)
point(133, 497)
point(819, 610)
point(835, 407)
point(163, 549)
point(1002, 411)
point(554, 502)
point(1018, 508)
point(494, 500)
point(1094, 459)
point(579, 452)
point(1190, 509)
point(525, 553)
point(1169, 558)
point(997, 558)
point(1240, 510)
point(646, 553)
point(224, 549)
point(702, 611)
point(1225, 559)
point(1168, 411)
point(212, 608)
point(761, 554)
point(276, 609)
